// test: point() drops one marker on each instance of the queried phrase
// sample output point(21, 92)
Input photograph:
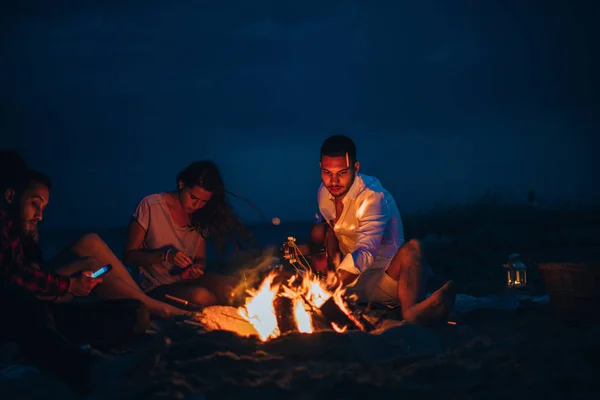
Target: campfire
point(286, 301)
point(301, 303)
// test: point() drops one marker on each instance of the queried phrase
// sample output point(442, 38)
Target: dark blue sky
point(445, 101)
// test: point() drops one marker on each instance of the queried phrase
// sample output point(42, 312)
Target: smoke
point(251, 271)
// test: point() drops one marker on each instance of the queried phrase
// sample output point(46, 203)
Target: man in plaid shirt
point(16, 273)
point(20, 215)
point(50, 335)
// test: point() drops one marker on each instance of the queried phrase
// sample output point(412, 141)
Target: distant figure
point(363, 225)
point(166, 238)
point(50, 334)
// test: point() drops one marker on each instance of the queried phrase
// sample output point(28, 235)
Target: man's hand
point(340, 279)
point(346, 277)
point(193, 272)
point(83, 284)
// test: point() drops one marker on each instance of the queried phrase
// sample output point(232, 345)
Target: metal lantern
point(516, 271)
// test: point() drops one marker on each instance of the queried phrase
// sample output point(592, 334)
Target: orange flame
point(259, 309)
point(311, 293)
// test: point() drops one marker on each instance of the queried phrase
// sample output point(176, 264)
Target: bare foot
point(435, 308)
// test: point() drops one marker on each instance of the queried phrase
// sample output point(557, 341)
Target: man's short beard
point(32, 233)
point(349, 186)
point(29, 231)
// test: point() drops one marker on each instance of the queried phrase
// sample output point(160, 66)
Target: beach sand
point(524, 353)
point(489, 353)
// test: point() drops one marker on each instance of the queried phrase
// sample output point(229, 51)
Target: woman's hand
point(193, 272)
point(179, 259)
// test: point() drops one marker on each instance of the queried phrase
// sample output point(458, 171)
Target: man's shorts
point(376, 286)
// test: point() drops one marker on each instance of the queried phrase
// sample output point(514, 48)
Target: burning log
point(321, 318)
point(334, 315)
point(284, 303)
point(327, 315)
point(318, 319)
point(284, 311)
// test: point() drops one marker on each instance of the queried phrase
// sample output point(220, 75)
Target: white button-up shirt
point(370, 230)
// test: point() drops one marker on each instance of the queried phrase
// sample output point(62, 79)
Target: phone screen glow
point(100, 272)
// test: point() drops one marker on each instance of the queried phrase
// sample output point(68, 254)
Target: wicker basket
point(574, 290)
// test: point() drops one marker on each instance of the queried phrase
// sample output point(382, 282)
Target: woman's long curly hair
point(216, 220)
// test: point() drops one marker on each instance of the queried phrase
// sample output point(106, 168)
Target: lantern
point(516, 271)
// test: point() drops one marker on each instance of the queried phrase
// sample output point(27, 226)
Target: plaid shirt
point(14, 272)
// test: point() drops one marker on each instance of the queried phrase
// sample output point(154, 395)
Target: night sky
point(445, 99)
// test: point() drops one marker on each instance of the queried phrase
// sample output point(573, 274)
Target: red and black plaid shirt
point(14, 272)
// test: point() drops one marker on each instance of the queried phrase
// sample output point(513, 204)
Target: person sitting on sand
point(49, 334)
point(167, 234)
point(359, 219)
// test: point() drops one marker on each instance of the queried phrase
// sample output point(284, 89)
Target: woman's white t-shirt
point(153, 215)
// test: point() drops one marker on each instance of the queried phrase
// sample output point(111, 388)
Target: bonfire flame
point(307, 294)
point(260, 311)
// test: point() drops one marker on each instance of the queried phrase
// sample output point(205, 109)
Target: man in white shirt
point(363, 223)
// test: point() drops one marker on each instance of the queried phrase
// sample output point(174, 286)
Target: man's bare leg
point(409, 268)
point(118, 283)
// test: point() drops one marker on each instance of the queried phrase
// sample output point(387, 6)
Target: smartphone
point(102, 271)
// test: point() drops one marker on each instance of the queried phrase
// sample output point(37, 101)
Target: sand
point(490, 353)
point(493, 351)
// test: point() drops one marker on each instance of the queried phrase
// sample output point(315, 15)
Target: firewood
point(334, 315)
point(224, 318)
point(284, 311)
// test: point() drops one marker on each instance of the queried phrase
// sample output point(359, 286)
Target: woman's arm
point(134, 253)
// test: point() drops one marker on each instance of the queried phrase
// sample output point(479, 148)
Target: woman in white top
point(166, 238)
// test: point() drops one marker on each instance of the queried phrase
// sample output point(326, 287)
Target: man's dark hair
point(33, 176)
point(339, 146)
point(20, 181)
